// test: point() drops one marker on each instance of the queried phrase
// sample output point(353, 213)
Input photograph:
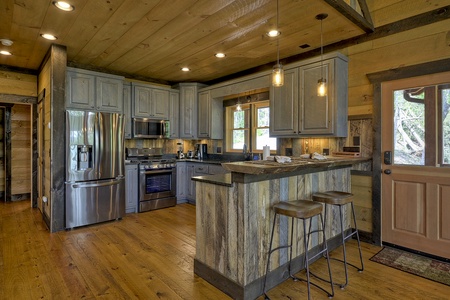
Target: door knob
point(387, 171)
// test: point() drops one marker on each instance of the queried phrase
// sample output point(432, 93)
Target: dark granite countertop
point(203, 161)
point(219, 179)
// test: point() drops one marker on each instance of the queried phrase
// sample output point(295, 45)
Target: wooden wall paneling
point(21, 149)
point(8, 153)
point(242, 198)
point(252, 237)
point(2, 153)
point(200, 226)
point(362, 191)
point(44, 84)
point(221, 205)
point(232, 232)
point(18, 83)
point(384, 12)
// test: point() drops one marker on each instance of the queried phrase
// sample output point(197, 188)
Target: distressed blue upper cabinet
point(150, 102)
point(188, 109)
point(295, 108)
point(89, 90)
point(127, 109)
point(210, 116)
point(174, 114)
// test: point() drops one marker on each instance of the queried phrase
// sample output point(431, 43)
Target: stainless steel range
point(157, 178)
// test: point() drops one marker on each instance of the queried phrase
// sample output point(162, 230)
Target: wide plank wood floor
point(150, 256)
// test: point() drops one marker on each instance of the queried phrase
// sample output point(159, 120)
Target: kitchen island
point(234, 219)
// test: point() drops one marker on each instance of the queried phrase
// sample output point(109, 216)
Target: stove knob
point(160, 166)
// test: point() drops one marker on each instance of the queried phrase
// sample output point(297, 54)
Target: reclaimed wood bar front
point(234, 219)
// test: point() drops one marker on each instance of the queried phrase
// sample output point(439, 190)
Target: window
point(249, 126)
point(417, 140)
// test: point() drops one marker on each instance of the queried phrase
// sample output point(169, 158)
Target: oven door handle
point(157, 172)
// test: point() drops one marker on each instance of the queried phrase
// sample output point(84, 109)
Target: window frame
point(251, 143)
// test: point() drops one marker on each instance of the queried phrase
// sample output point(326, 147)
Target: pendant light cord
point(321, 47)
point(278, 40)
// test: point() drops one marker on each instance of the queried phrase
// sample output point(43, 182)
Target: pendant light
point(322, 82)
point(238, 105)
point(278, 72)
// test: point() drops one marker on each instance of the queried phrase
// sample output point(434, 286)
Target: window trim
point(252, 106)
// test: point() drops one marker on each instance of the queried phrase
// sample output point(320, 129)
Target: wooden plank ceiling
point(153, 39)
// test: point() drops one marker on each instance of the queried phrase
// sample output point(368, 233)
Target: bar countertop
point(252, 171)
point(260, 167)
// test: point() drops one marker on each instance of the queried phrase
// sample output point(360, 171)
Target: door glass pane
point(409, 127)
point(445, 94)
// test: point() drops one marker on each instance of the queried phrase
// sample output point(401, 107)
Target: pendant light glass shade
point(321, 87)
point(278, 72)
point(278, 75)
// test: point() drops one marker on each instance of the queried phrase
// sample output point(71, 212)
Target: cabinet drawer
point(201, 169)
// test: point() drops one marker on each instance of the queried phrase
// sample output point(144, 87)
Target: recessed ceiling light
point(273, 33)
point(185, 69)
point(220, 55)
point(3, 52)
point(49, 36)
point(62, 5)
point(6, 42)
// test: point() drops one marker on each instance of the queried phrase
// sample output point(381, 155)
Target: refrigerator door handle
point(94, 185)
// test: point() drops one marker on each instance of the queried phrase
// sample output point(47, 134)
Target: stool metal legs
point(306, 240)
point(344, 239)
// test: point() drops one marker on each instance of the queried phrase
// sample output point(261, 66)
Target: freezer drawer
point(94, 201)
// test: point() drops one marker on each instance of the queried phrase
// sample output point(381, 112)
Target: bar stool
point(304, 210)
point(340, 199)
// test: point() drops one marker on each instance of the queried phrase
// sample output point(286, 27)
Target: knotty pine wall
point(21, 150)
point(412, 47)
point(44, 140)
point(18, 84)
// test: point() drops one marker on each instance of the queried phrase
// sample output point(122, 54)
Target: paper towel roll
point(266, 152)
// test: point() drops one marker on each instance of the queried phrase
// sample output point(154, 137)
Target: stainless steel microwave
point(150, 128)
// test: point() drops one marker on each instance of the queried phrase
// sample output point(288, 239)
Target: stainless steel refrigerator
point(95, 182)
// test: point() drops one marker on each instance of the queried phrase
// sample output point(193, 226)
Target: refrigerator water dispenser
point(84, 157)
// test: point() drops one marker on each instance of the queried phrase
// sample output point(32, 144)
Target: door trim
point(376, 79)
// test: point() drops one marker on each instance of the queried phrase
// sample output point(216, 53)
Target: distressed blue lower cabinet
point(185, 171)
point(131, 188)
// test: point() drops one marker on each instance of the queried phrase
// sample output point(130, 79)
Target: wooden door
point(416, 163)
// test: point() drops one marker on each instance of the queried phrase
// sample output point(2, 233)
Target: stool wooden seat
point(303, 210)
point(340, 199)
point(333, 197)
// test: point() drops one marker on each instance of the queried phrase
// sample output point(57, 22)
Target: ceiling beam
point(363, 22)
